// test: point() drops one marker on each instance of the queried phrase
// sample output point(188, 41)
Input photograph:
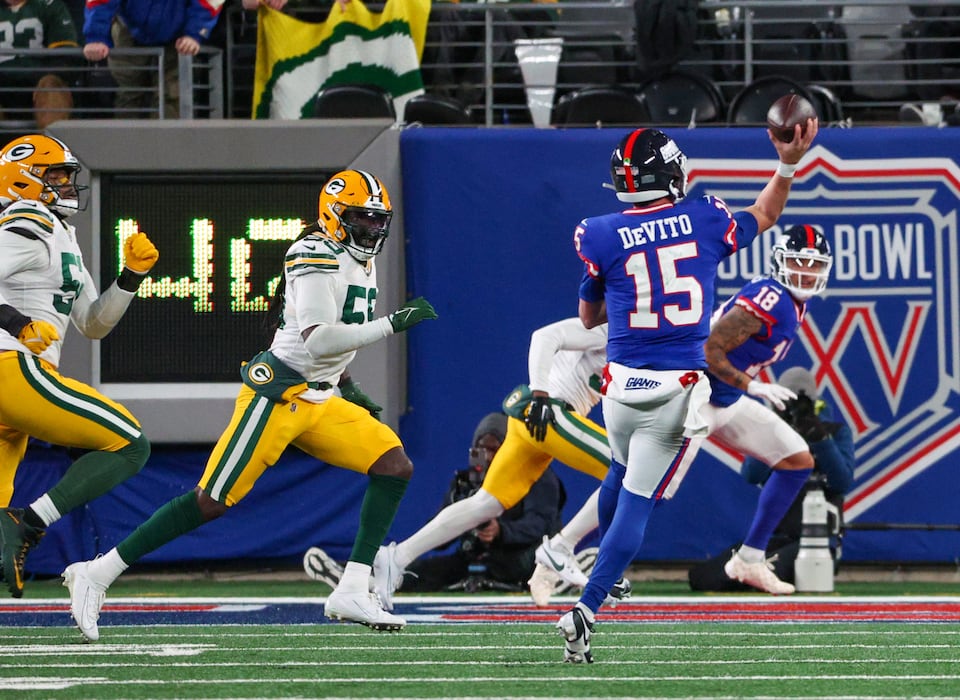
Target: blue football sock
point(775, 499)
point(609, 491)
point(619, 546)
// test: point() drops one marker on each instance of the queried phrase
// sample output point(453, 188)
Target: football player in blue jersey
point(752, 330)
point(650, 272)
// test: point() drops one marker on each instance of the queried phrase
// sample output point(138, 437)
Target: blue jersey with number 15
point(656, 267)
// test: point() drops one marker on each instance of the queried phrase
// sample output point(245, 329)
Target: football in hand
point(786, 113)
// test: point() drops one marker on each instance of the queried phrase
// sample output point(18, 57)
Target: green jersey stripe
point(73, 401)
point(583, 435)
point(241, 446)
point(310, 256)
point(324, 266)
point(28, 218)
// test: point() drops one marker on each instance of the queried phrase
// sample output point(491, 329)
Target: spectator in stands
point(179, 26)
point(31, 85)
point(497, 554)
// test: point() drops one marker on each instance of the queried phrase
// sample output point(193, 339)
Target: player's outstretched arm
point(333, 338)
point(95, 316)
point(773, 198)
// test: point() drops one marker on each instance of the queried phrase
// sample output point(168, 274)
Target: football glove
point(37, 336)
point(410, 314)
point(539, 417)
point(139, 253)
point(774, 393)
point(351, 391)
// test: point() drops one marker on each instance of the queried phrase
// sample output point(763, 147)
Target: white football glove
point(774, 393)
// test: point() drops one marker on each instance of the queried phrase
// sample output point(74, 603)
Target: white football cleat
point(561, 561)
point(363, 608)
point(86, 599)
point(759, 575)
point(321, 567)
point(387, 575)
point(542, 584)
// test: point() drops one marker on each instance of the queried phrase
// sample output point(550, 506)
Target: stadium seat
point(828, 105)
point(683, 97)
point(601, 105)
point(435, 110)
point(353, 100)
point(750, 105)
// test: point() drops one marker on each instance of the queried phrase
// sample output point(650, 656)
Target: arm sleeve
point(540, 508)
point(545, 342)
point(591, 288)
point(746, 230)
point(97, 18)
point(317, 308)
point(96, 316)
point(591, 284)
point(201, 18)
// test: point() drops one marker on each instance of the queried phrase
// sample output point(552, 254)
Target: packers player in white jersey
point(326, 312)
point(547, 420)
point(43, 286)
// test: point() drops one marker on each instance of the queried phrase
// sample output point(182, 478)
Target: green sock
point(169, 521)
point(95, 473)
point(380, 504)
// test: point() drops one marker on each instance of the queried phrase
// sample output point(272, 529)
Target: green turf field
point(479, 660)
point(486, 660)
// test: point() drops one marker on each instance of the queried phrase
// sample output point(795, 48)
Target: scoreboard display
point(200, 311)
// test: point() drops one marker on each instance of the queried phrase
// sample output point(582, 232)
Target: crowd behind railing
point(880, 61)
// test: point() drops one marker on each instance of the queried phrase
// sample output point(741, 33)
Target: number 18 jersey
point(781, 316)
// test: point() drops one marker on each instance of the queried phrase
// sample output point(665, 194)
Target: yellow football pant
point(37, 401)
point(336, 432)
point(575, 441)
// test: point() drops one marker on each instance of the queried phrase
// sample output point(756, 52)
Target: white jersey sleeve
point(546, 342)
point(566, 361)
point(318, 293)
point(95, 316)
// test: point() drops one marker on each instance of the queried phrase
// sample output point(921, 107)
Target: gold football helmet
point(355, 211)
point(41, 168)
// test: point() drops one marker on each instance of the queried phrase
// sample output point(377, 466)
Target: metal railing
point(94, 92)
point(874, 54)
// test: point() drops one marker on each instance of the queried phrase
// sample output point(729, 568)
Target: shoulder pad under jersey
point(312, 254)
point(29, 219)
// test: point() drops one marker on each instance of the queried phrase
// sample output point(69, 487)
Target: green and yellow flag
point(295, 58)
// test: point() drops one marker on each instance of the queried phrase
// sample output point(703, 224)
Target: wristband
point(786, 169)
point(129, 281)
point(11, 320)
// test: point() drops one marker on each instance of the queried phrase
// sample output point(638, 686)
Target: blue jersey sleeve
point(591, 288)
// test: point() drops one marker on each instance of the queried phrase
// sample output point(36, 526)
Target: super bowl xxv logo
point(883, 340)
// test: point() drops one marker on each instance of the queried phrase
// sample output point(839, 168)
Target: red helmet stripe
point(628, 157)
point(811, 235)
